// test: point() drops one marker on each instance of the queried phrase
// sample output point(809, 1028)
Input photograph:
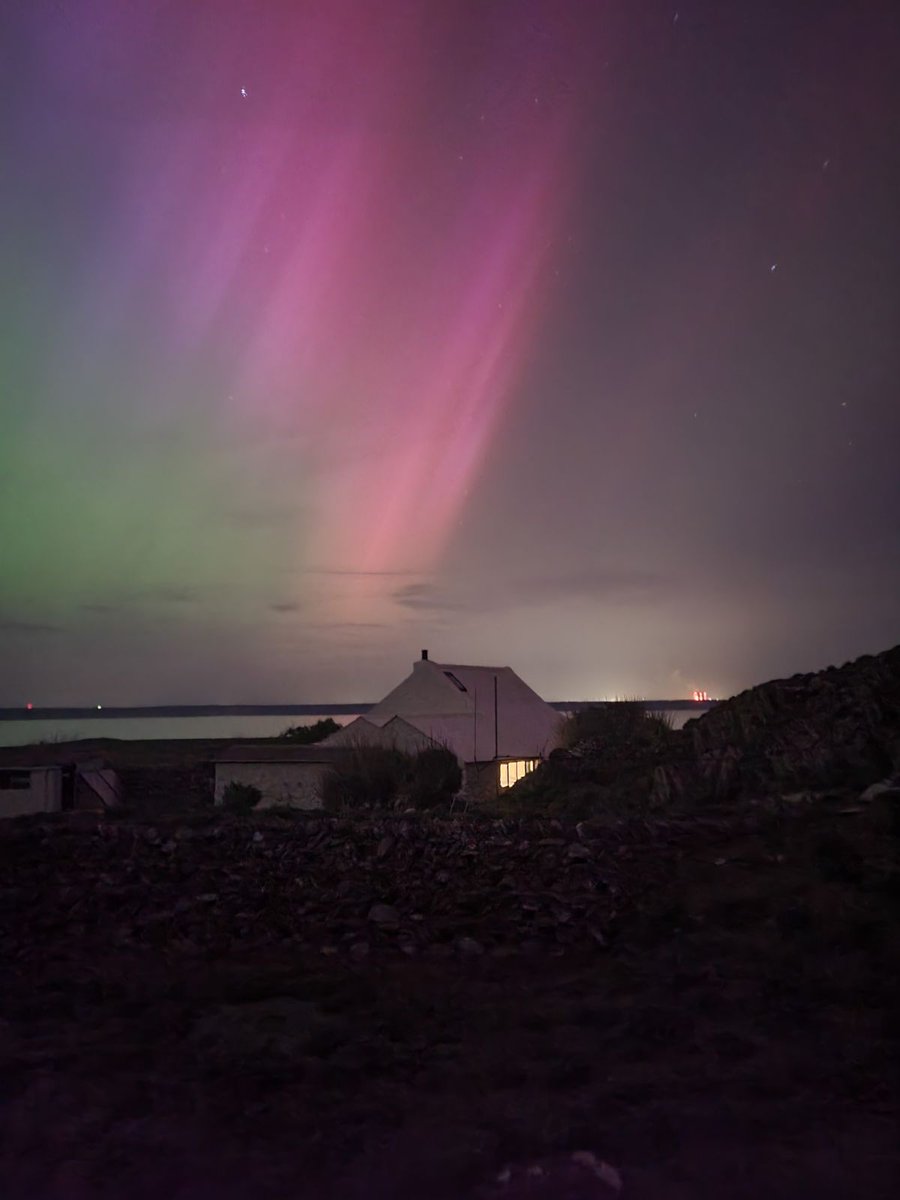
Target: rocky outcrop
point(837, 729)
point(832, 729)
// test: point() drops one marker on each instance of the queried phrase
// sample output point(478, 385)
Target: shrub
point(370, 777)
point(619, 739)
point(381, 777)
point(605, 768)
point(547, 793)
point(307, 735)
point(622, 726)
point(435, 778)
point(240, 797)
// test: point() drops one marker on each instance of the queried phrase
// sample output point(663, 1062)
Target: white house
point(495, 724)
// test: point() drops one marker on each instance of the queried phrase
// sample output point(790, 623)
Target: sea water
point(31, 732)
point(34, 731)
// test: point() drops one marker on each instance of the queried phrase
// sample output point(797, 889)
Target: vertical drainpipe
point(496, 744)
point(496, 735)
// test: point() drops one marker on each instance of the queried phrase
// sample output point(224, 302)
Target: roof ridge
point(468, 666)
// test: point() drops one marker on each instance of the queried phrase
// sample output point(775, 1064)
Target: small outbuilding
point(36, 789)
point(27, 787)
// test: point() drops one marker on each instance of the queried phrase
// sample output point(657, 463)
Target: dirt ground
point(181, 1016)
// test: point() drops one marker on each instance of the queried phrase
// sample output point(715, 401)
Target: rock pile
point(387, 1007)
point(152, 789)
point(350, 888)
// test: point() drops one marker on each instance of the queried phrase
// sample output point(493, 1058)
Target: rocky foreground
point(210, 1006)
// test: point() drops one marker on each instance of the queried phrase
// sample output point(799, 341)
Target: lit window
point(512, 772)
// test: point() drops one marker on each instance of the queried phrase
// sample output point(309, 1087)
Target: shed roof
point(21, 767)
point(317, 753)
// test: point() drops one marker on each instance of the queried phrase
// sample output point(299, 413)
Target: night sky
point(551, 334)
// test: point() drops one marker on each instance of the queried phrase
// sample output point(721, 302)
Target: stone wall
point(296, 783)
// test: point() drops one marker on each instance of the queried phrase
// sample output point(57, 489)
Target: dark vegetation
point(308, 735)
point(604, 766)
point(376, 777)
point(623, 728)
point(240, 797)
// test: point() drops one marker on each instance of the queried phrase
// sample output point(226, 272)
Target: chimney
point(424, 656)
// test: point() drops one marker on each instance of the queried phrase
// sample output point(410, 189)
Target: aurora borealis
point(556, 334)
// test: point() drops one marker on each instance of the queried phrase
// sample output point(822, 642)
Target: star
point(773, 267)
point(244, 93)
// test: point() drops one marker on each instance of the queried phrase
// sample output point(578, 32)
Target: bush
point(605, 768)
point(435, 778)
point(370, 777)
point(623, 726)
point(380, 777)
point(547, 793)
point(240, 797)
point(308, 735)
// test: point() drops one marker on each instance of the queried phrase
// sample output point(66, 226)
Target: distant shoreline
point(280, 710)
point(181, 710)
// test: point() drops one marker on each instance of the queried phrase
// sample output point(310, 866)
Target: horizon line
point(118, 711)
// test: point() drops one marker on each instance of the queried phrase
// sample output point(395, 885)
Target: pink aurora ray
point(363, 282)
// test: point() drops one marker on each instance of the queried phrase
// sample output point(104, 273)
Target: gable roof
point(397, 734)
point(453, 704)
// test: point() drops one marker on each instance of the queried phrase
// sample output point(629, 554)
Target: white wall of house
point(43, 792)
point(293, 783)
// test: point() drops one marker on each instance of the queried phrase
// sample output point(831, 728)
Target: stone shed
point(283, 774)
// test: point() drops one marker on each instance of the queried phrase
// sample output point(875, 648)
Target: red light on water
point(29, 706)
